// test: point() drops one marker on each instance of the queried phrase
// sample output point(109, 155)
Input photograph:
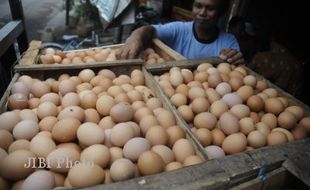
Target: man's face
point(205, 13)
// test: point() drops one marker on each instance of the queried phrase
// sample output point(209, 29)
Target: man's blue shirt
point(180, 37)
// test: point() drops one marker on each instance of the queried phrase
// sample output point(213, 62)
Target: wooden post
point(18, 14)
point(67, 12)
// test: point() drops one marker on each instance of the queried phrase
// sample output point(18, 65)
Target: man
point(197, 39)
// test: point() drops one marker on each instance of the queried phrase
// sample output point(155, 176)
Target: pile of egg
point(86, 130)
point(231, 111)
point(92, 55)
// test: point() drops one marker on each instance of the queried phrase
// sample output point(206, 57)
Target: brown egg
point(8, 120)
point(182, 89)
point(305, 122)
point(40, 88)
point(166, 119)
point(122, 169)
point(255, 103)
point(240, 111)
point(51, 97)
point(287, 120)
point(201, 76)
point(273, 105)
point(235, 83)
point(6, 139)
point(288, 134)
point(186, 113)
point(121, 133)
point(98, 154)
point(234, 143)
point(204, 136)
point(182, 148)
point(66, 86)
point(299, 133)
point(174, 133)
point(165, 153)
point(65, 130)
point(41, 146)
point(17, 101)
point(150, 163)
point(187, 75)
point(218, 108)
point(142, 112)
point(121, 112)
point(46, 109)
point(21, 144)
point(25, 129)
point(85, 174)
point(247, 125)
point(70, 99)
point(271, 92)
point(104, 104)
point(192, 160)
point(214, 80)
point(196, 92)
point(27, 114)
point(173, 166)
point(106, 122)
point(245, 92)
point(157, 135)
point(72, 111)
point(12, 167)
point(218, 136)
point(90, 133)
point(229, 123)
point(297, 111)
point(262, 127)
point(88, 100)
point(256, 139)
point(261, 85)
point(270, 119)
point(250, 80)
point(276, 138)
point(205, 120)
point(199, 105)
point(91, 115)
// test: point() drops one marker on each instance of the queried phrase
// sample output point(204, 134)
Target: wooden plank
point(240, 167)
point(180, 122)
point(208, 175)
point(8, 35)
point(165, 51)
point(276, 179)
point(6, 94)
point(31, 55)
point(40, 67)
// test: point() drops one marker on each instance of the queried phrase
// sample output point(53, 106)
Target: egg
point(299, 133)
point(231, 99)
point(196, 92)
point(288, 134)
point(65, 130)
point(287, 120)
point(240, 111)
point(270, 119)
point(174, 134)
point(46, 109)
point(296, 110)
point(17, 101)
point(90, 133)
point(199, 105)
point(121, 133)
point(20, 87)
point(192, 160)
point(21, 144)
point(157, 135)
point(276, 138)
point(204, 136)
point(218, 108)
point(173, 166)
point(214, 151)
point(86, 174)
point(122, 169)
point(150, 163)
point(245, 92)
point(256, 139)
point(305, 122)
point(41, 146)
point(66, 86)
point(214, 80)
point(135, 147)
point(205, 120)
point(186, 113)
point(40, 88)
point(255, 103)
point(39, 180)
point(62, 159)
point(6, 139)
point(8, 120)
point(72, 111)
point(182, 148)
point(218, 136)
point(166, 119)
point(223, 88)
point(234, 143)
point(98, 154)
point(121, 112)
point(247, 125)
point(273, 105)
point(25, 129)
point(12, 167)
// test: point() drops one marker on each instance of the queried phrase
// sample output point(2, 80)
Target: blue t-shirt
point(180, 37)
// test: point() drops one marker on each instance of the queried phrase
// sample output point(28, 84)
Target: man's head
point(207, 12)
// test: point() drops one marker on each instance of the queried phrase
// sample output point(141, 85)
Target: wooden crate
point(118, 69)
point(30, 60)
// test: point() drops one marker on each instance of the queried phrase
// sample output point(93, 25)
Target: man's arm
point(136, 42)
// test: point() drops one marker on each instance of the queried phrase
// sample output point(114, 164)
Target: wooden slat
point(6, 94)
point(40, 67)
point(8, 35)
point(180, 122)
point(164, 49)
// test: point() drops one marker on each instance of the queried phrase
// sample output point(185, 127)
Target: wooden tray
point(30, 60)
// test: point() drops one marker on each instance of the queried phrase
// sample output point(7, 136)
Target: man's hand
point(231, 56)
point(131, 49)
